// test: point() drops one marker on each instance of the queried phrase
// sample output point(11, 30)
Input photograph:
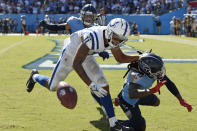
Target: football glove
point(97, 89)
point(157, 87)
point(185, 104)
point(104, 55)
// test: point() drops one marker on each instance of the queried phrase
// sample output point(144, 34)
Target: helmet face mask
point(152, 65)
point(117, 32)
point(88, 19)
point(88, 14)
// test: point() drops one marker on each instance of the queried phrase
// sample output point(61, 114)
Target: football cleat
point(119, 127)
point(30, 83)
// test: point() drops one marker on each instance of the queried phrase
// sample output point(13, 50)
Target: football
point(67, 95)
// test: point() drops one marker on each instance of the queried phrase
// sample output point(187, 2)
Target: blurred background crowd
point(157, 7)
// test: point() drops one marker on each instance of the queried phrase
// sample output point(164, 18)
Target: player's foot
point(126, 123)
point(116, 101)
point(119, 127)
point(30, 83)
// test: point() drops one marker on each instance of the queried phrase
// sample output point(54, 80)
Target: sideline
point(13, 45)
point(171, 39)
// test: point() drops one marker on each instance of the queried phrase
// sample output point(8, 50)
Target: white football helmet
point(120, 28)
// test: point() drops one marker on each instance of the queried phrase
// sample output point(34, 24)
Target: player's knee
point(157, 103)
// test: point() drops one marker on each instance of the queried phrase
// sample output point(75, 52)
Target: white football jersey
point(92, 37)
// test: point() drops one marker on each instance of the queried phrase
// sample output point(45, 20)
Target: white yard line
point(171, 39)
point(13, 45)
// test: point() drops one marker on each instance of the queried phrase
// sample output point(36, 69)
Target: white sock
point(34, 76)
point(112, 121)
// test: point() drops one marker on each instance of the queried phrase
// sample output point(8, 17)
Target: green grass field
point(41, 110)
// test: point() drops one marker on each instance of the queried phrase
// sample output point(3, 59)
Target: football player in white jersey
point(74, 24)
point(78, 53)
point(136, 90)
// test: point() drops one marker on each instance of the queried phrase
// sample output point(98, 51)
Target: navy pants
point(136, 120)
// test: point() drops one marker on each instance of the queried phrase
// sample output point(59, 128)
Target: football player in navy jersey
point(73, 24)
point(77, 54)
point(136, 90)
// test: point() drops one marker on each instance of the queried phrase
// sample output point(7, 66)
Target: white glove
point(98, 90)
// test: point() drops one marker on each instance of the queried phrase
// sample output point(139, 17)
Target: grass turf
point(41, 110)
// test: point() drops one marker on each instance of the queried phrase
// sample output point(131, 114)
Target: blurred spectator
point(134, 29)
point(172, 26)
point(11, 25)
point(157, 7)
point(47, 19)
point(177, 26)
point(158, 25)
point(1, 25)
point(23, 24)
point(194, 26)
point(5, 25)
point(61, 20)
point(15, 25)
point(53, 21)
point(101, 18)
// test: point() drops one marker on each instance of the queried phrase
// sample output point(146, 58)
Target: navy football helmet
point(152, 65)
point(88, 14)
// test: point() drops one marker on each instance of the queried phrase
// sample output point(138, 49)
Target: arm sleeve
point(56, 27)
point(171, 86)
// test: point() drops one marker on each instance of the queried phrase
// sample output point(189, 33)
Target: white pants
point(64, 67)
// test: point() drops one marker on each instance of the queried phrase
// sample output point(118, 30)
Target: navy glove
point(104, 55)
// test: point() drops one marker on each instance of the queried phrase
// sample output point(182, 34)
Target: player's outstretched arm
point(136, 92)
point(54, 27)
point(123, 58)
point(174, 90)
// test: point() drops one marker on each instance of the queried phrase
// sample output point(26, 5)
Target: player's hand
point(104, 55)
point(185, 104)
point(43, 23)
point(158, 86)
point(98, 90)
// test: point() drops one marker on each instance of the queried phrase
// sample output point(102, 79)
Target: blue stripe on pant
point(56, 67)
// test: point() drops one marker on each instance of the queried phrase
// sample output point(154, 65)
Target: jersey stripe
point(96, 40)
point(125, 29)
point(92, 41)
